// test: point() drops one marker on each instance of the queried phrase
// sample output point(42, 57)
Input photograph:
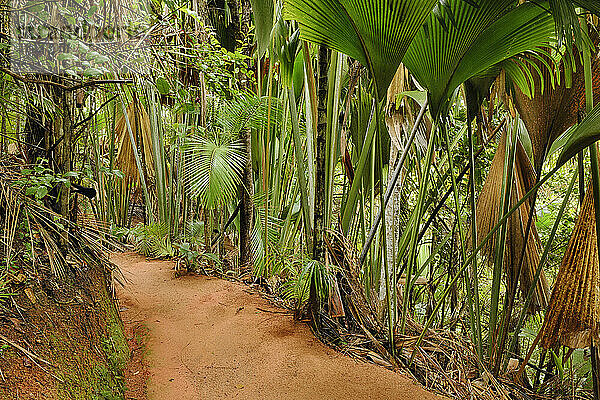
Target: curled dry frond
point(572, 316)
point(488, 215)
point(138, 120)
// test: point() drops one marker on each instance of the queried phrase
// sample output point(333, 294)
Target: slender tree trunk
point(247, 208)
point(318, 248)
point(247, 186)
point(63, 130)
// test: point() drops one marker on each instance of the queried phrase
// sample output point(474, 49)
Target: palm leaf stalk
point(333, 105)
point(413, 229)
point(300, 166)
point(540, 267)
point(393, 181)
point(474, 284)
point(470, 299)
point(482, 243)
point(500, 245)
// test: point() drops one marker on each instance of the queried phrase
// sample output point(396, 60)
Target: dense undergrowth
point(417, 181)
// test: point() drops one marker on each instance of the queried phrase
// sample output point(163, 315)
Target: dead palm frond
point(554, 108)
point(138, 120)
point(572, 316)
point(46, 256)
point(488, 215)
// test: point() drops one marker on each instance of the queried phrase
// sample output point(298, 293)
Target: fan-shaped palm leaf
point(488, 213)
point(246, 111)
point(442, 57)
point(572, 317)
point(374, 32)
point(213, 171)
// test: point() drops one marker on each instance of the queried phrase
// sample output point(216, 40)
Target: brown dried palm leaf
point(572, 316)
point(140, 126)
point(551, 112)
point(488, 215)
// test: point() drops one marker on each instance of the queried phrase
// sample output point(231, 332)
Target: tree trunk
point(247, 208)
point(247, 186)
point(318, 248)
point(63, 130)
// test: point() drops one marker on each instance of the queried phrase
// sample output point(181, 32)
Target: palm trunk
point(247, 185)
point(63, 129)
point(247, 208)
point(318, 248)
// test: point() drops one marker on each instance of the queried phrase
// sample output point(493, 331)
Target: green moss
point(96, 371)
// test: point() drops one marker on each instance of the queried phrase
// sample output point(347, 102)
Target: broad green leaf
point(443, 57)
point(582, 136)
point(100, 59)
point(163, 85)
point(374, 32)
point(41, 192)
point(93, 9)
point(263, 22)
point(91, 72)
point(298, 75)
point(66, 56)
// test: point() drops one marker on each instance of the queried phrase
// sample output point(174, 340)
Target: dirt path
point(208, 339)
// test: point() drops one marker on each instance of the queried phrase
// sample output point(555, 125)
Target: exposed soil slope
point(212, 339)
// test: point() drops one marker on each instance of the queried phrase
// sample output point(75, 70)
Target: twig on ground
point(25, 351)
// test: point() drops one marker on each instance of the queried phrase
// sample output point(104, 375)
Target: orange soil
point(209, 339)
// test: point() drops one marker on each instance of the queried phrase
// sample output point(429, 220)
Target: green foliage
point(263, 22)
point(163, 86)
point(299, 277)
point(443, 56)
point(39, 180)
point(214, 170)
point(150, 240)
point(375, 32)
point(215, 159)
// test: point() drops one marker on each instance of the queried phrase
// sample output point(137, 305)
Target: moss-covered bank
point(75, 326)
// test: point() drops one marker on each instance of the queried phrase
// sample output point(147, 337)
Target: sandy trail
point(208, 339)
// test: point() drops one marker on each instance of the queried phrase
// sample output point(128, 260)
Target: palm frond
point(213, 170)
point(374, 32)
point(585, 134)
point(566, 21)
point(441, 58)
point(488, 215)
point(263, 11)
point(572, 316)
point(139, 121)
point(245, 111)
point(592, 6)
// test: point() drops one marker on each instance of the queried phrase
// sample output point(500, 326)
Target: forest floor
point(208, 338)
